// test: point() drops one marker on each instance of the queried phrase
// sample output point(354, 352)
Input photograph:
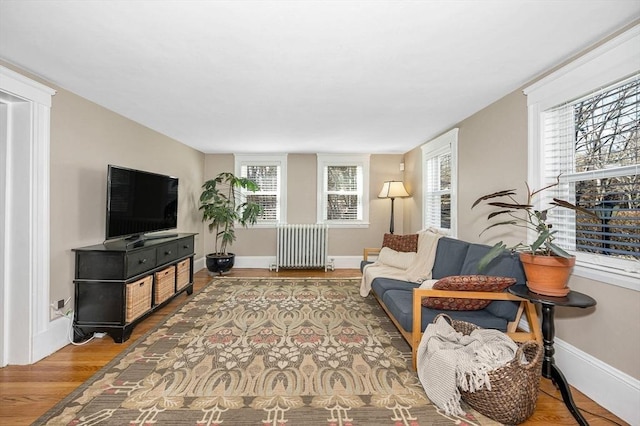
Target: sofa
point(403, 300)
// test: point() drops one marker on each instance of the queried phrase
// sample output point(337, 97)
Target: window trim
point(325, 160)
point(447, 142)
point(612, 61)
point(279, 160)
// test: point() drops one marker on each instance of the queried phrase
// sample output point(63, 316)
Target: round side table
point(549, 369)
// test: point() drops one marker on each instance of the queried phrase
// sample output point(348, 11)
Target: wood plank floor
point(26, 392)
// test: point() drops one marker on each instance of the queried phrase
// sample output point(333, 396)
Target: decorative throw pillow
point(403, 243)
point(466, 283)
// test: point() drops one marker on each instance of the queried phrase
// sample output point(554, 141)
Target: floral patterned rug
point(267, 352)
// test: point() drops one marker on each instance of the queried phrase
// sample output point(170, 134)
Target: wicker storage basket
point(138, 298)
point(165, 284)
point(182, 278)
point(514, 386)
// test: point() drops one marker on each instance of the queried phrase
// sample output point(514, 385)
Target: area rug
point(267, 352)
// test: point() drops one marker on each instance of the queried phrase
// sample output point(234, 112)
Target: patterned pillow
point(466, 283)
point(403, 243)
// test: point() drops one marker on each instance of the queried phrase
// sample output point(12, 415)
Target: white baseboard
point(339, 262)
point(612, 389)
point(51, 340)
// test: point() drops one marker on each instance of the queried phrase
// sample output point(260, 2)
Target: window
point(440, 165)
point(343, 190)
point(269, 172)
point(584, 127)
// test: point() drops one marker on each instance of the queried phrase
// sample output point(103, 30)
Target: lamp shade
point(393, 189)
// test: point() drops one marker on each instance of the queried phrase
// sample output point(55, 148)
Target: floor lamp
point(393, 189)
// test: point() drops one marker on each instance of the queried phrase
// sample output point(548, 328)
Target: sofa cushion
point(403, 243)
point(466, 283)
point(450, 255)
point(380, 286)
point(399, 302)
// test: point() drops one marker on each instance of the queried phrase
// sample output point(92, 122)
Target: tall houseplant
point(547, 266)
point(223, 207)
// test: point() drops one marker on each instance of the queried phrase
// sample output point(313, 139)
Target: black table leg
point(561, 383)
point(549, 368)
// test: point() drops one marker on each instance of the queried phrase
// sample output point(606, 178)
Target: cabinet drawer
point(166, 253)
point(185, 247)
point(141, 261)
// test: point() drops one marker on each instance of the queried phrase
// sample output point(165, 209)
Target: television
point(139, 202)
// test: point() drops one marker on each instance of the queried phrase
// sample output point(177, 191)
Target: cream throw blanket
point(418, 271)
point(448, 359)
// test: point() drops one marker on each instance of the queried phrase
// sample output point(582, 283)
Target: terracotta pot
point(547, 275)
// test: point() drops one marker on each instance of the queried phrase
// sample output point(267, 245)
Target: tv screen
point(140, 202)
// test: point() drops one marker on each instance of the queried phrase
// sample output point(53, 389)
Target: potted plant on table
point(223, 207)
point(547, 266)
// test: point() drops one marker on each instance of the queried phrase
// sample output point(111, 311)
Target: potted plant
point(222, 206)
point(547, 266)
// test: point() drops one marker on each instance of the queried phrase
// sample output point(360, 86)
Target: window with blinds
point(268, 179)
point(342, 189)
point(593, 144)
point(440, 169)
point(269, 172)
point(343, 193)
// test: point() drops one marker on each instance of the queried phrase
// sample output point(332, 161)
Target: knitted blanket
point(448, 359)
point(418, 271)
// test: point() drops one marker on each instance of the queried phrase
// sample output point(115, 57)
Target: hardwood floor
point(27, 392)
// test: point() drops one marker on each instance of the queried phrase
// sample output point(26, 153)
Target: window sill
point(617, 277)
point(331, 224)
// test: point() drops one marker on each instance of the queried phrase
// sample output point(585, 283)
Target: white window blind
point(439, 158)
point(269, 172)
point(343, 189)
point(268, 179)
point(592, 143)
point(343, 193)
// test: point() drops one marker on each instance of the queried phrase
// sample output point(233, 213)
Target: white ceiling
point(300, 76)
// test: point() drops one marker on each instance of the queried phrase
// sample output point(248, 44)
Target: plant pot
point(219, 263)
point(547, 275)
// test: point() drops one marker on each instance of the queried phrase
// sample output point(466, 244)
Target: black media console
point(119, 283)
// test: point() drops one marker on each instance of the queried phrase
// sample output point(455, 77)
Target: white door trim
point(24, 284)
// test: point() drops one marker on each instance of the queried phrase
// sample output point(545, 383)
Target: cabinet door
point(99, 302)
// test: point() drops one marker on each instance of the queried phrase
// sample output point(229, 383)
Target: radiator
point(302, 246)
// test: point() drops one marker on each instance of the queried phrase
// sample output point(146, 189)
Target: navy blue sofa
point(455, 257)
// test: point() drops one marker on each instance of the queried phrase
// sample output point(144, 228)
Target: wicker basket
point(182, 279)
point(514, 386)
point(138, 298)
point(165, 284)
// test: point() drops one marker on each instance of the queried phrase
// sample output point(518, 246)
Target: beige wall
point(492, 151)
point(85, 138)
point(302, 202)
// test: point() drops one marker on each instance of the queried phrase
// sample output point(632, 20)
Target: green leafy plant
point(222, 206)
point(526, 216)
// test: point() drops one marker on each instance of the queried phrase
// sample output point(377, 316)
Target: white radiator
point(302, 246)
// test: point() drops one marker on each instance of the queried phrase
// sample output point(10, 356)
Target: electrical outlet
point(60, 303)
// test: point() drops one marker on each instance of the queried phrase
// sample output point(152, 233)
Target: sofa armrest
point(371, 252)
point(525, 307)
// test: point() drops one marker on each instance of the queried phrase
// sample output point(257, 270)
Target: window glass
point(343, 189)
point(269, 172)
point(439, 166)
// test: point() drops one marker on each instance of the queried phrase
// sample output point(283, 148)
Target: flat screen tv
point(139, 202)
